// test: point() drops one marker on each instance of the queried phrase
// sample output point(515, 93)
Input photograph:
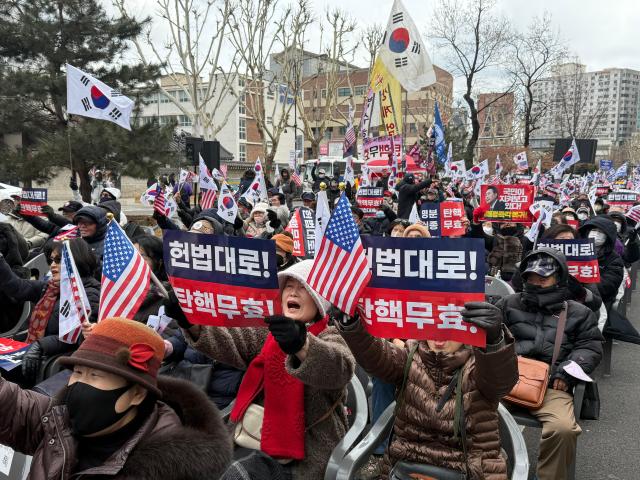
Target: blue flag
point(438, 134)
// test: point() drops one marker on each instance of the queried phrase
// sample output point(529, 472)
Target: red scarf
point(42, 312)
point(283, 426)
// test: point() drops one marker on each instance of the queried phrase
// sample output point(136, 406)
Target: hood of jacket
point(12, 245)
point(211, 215)
point(97, 215)
point(619, 216)
point(113, 207)
point(558, 256)
point(603, 223)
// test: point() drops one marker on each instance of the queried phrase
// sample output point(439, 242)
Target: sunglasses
point(55, 259)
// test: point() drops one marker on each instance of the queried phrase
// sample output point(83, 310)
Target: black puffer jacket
point(629, 238)
point(11, 250)
point(99, 216)
point(610, 263)
point(533, 320)
point(408, 194)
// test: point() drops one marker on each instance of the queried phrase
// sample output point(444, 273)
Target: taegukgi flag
point(89, 97)
point(403, 52)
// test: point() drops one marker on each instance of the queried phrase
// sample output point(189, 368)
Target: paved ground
point(610, 447)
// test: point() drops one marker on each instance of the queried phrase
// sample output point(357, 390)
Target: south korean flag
point(89, 97)
point(403, 52)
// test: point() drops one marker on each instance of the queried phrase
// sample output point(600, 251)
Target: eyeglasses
point(55, 260)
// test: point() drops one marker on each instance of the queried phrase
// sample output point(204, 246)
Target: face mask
point(395, 233)
point(508, 231)
point(280, 260)
point(598, 208)
point(598, 237)
point(582, 216)
point(618, 227)
point(91, 409)
point(380, 215)
point(488, 230)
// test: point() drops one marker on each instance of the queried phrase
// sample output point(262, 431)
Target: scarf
point(550, 299)
point(283, 425)
point(42, 312)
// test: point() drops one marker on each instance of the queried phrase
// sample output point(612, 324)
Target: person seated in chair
point(297, 369)
point(447, 412)
point(116, 418)
point(532, 317)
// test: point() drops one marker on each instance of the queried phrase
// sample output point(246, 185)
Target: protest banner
point(602, 190)
point(507, 203)
point(380, 147)
point(452, 215)
point(419, 287)
point(606, 165)
point(622, 198)
point(430, 216)
point(221, 280)
point(302, 228)
point(575, 224)
point(369, 200)
point(11, 353)
point(523, 179)
point(582, 259)
point(32, 200)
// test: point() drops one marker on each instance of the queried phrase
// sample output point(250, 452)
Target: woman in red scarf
point(297, 369)
point(45, 295)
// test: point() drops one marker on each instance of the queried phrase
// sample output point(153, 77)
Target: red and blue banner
point(32, 200)
point(419, 287)
point(623, 199)
point(302, 227)
point(582, 259)
point(369, 200)
point(222, 281)
point(11, 353)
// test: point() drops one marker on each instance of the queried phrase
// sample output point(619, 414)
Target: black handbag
point(590, 402)
point(197, 373)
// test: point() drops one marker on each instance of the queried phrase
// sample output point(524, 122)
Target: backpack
point(505, 255)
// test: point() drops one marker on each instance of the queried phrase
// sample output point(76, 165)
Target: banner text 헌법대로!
point(582, 259)
point(32, 200)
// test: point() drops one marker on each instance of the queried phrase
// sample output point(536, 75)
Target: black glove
point(289, 334)
point(172, 309)
point(31, 361)
point(273, 219)
point(73, 185)
point(485, 316)
point(576, 290)
point(157, 215)
point(338, 317)
point(47, 210)
point(238, 223)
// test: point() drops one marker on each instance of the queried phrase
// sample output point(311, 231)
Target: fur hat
point(260, 207)
point(416, 227)
point(300, 271)
point(283, 242)
point(123, 347)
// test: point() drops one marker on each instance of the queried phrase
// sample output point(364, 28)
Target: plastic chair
point(511, 438)
point(496, 288)
point(38, 266)
point(19, 467)
point(525, 419)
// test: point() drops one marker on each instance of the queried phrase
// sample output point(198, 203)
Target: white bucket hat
point(300, 271)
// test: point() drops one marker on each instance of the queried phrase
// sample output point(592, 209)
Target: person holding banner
point(43, 323)
point(532, 317)
point(408, 194)
point(627, 235)
point(443, 381)
point(116, 417)
point(297, 370)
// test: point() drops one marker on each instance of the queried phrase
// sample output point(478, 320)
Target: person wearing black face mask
point(109, 420)
point(532, 317)
point(284, 250)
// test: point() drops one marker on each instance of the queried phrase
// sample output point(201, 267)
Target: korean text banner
point(32, 200)
point(430, 216)
point(452, 215)
point(220, 280)
point(419, 287)
point(582, 259)
point(302, 227)
point(369, 200)
point(507, 203)
point(622, 198)
point(11, 353)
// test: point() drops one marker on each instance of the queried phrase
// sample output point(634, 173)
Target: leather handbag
point(533, 375)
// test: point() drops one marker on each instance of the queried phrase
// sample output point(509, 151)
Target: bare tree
point(372, 38)
point(319, 104)
point(192, 57)
point(534, 54)
point(255, 33)
point(475, 40)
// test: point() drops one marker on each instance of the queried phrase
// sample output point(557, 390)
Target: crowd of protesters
point(138, 405)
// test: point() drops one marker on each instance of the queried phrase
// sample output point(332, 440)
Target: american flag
point(634, 213)
point(158, 202)
point(67, 233)
point(223, 170)
point(296, 178)
point(125, 276)
point(350, 134)
point(208, 199)
point(74, 307)
point(340, 270)
point(207, 186)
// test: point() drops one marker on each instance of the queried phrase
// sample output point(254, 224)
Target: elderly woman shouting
point(297, 369)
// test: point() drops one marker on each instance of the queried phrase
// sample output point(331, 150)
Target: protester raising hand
point(486, 316)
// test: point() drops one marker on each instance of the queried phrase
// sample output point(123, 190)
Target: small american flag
point(67, 233)
point(158, 202)
point(74, 307)
point(296, 178)
point(634, 213)
point(350, 134)
point(125, 276)
point(340, 270)
point(223, 170)
point(208, 199)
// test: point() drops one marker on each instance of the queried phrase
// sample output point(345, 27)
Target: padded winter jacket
point(422, 434)
point(183, 437)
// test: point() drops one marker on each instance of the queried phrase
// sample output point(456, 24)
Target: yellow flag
point(389, 94)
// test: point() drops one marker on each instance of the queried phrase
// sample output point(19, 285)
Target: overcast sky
point(601, 34)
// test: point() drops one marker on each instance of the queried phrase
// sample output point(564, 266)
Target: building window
point(269, 120)
point(327, 133)
point(242, 104)
point(344, 92)
point(183, 97)
point(270, 92)
point(342, 131)
point(164, 98)
point(184, 121)
point(241, 82)
point(242, 128)
point(323, 93)
point(151, 98)
point(166, 119)
point(242, 152)
point(360, 90)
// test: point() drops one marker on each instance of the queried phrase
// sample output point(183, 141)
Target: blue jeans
point(382, 395)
